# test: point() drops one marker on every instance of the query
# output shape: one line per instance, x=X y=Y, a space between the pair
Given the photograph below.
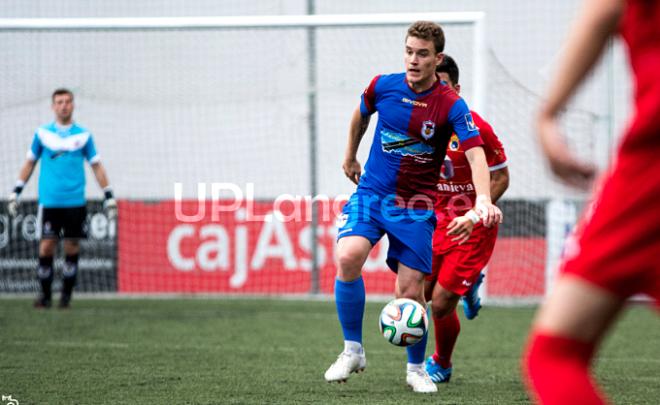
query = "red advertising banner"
x=196 y=247
x=252 y=247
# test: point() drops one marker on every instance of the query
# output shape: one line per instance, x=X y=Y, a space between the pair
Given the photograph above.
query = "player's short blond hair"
x=429 y=31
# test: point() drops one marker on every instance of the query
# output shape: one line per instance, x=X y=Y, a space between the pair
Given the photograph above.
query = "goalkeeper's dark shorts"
x=68 y=223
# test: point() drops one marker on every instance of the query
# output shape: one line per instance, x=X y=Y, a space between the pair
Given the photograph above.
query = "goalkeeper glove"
x=109 y=204
x=12 y=204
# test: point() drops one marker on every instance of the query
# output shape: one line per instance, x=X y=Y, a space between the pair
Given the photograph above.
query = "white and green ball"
x=403 y=322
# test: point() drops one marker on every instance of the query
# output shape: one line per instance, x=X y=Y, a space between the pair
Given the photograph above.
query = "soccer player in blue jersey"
x=417 y=114
x=62 y=146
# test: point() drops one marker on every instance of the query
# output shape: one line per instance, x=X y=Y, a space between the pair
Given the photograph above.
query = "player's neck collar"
x=435 y=84
x=61 y=127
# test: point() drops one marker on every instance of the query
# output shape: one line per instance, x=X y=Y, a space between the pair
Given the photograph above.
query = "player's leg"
x=352 y=252
x=410 y=284
x=447 y=328
x=410 y=233
x=357 y=233
x=460 y=267
x=47 y=247
x=73 y=230
x=566 y=332
x=50 y=227
x=70 y=271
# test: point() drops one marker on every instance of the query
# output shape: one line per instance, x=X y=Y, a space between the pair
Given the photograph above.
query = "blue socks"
x=349 y=298
x=417 y=352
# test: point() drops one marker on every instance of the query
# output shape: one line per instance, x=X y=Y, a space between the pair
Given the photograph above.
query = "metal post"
x=312 y=122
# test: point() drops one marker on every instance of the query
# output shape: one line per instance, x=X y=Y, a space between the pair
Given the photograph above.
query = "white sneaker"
x=419 y=381
x=346 y=364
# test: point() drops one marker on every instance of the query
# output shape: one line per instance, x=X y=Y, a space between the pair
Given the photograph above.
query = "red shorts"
x=456 y=267
x=617 y=244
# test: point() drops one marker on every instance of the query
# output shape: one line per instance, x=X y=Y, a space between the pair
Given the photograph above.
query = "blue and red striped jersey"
x=411 y=137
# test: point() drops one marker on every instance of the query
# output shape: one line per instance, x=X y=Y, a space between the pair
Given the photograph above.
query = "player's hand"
x=110 y=208
x=562 y=162
x=462 y=228
x=487 y=211
x=12 y=204
x=352 y=170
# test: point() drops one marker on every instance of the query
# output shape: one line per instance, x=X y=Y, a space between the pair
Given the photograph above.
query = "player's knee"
x=411 y=291
x=71 y=246
x=47 y=247
x=440 y=309
x=349 y=264
x=444 y=303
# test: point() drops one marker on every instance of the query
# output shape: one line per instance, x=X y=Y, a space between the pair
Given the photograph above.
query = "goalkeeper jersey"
x=411 y=138
x=62 y=151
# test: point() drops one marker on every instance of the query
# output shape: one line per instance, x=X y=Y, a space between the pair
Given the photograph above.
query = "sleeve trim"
x=471 y=142
x=498 y=166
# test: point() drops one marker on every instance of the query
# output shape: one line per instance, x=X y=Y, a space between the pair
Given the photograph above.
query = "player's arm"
x=461 y=227
x=33 y=154
x=24 y=175
x=499 y=182
x=597 y=22
x=356 y=130
x=100 y=174
x=358 y=126
x=484 y=206
x=109 y=202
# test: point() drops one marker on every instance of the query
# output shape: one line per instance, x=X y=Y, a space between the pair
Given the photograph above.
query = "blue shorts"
x=409 y=231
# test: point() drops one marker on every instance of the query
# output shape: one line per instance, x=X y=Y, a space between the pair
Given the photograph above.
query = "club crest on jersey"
x=469 y=121
x=454 y=143
x=428 y=129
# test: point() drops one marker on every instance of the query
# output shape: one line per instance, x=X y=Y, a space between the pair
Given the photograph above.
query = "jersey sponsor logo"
x=454 y=143
x=469 y=121
x=456 y=188
x=428 y=129
x=414 y=102
x=400 y=144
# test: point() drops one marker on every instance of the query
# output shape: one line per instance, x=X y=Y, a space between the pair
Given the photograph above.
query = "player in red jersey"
x=459 y=258
x=615 y=252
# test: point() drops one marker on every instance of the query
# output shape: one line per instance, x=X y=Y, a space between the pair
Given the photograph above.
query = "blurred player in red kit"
x=459 y=258
x=614 y=255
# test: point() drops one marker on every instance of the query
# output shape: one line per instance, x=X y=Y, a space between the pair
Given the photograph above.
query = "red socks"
x=557 y=371
x=446 y=329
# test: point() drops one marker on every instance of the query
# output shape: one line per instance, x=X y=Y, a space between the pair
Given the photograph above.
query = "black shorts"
x=63 y=223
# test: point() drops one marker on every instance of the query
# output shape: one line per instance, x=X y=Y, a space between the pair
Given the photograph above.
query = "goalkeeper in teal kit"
x=62 y=146
x=417 y=114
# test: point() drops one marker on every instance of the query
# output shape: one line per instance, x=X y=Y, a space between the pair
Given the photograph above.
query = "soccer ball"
x=403 y=322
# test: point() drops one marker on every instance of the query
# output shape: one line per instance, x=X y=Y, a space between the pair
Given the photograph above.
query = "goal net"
x=216 y=133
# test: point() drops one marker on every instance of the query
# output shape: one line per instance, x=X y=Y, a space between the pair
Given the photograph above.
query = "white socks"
x=353 y=347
